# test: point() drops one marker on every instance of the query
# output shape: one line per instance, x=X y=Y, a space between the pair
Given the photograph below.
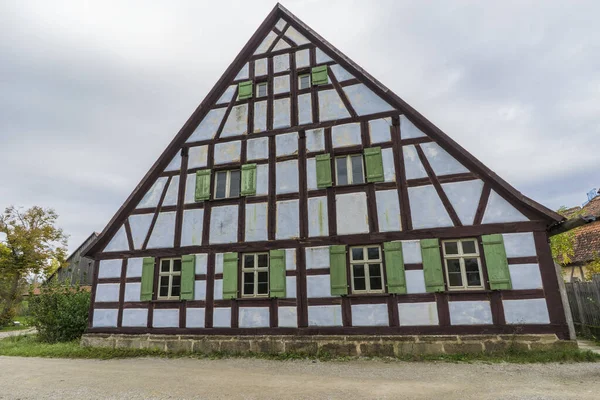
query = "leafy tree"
x=32 y=245
x=592 y=268
x=563 y=245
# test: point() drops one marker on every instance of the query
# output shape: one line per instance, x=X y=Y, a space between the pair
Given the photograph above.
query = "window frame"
x=255 y=270
x=349 y=169
x=227 y=184
x=170 y=274
x=300 y=81
x=258 y=86
x=365 y=262
x=461 y=256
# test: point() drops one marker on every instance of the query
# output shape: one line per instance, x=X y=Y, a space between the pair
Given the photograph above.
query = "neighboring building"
x=78 y=269
x=304 y=197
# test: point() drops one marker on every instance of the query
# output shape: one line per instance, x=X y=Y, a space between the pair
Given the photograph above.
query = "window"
x=366 y=269
x=463 y=265
x=255 y=275
x=227 y=184
x=169 y=279
x=261 y=89
x=349 y=170
x=303 y=82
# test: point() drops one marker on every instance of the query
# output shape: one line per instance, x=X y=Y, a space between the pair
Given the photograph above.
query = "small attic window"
x=261 y=89
x=303 y=82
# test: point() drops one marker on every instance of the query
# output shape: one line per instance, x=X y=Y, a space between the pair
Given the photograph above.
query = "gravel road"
x=153 y=378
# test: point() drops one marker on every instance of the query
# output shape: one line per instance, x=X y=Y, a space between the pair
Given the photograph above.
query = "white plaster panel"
x=287 y=317
x=331 y=106
x=280 y=24
x=139 y=224
x=418 y=314
x=135 y=317
x=325 y=315
x=107 y=292
x=201 y=264
x=191 y=228
x=281 y=45
x=260 y=67
x=346 y=135
x=134 y=267
x=287 y=220
x=464 y=197
x=105 y=318
x=110 y=269
x=266 y=43
x=262 y=179
x=227 y=95
x=411 y=250
x=296 y=36
x=281 y=84
x=256 y=222
x=219 y=263
x=415 y=281
x=408 y=130
x=244 y=72
x=223 y=224
x=311 y=174
x=388 y=210
x=426 y=208
x=119 y=241
x=470 y=312
x=260 y=116
x=237 y=121
x=287 y=177
x=175 y=163
x=340 y=73
x=318 y=223
x=290 y=287
x=172 y=191
x=218 y=292
x=222 y=317
x=519 y=244
x=412 y=164
x=441 y=162
x=254 y=317
x=499 y=210
x=525 y=276
x=389 y=169
x=315 y=139
x=318 y=286
x=258 y=149
x=302 y=58
x=322 y=57
x=152 y=196
x=379 y=129
x=281 y=113
x=165 y=318
x=200 y=290
x=531 y=311
x=286 y=144
x=354 y=205
x=364 y=101
x=194 y=317
x=290 y=259
x=317 y=257
x=228 y=152
x=370 y=315
x=305 y=109
x=163 y=233
x=281 y=63
x=197 y=157
x=133 y=291
x=209 y=125
x=190 y=189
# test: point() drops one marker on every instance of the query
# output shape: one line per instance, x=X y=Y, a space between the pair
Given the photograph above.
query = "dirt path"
x=16 y=333
x=36 y=378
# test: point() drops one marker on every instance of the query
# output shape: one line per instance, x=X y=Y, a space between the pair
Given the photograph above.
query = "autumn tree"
x=32 y=245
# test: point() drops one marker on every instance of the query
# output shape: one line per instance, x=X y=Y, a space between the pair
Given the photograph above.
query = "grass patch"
x=30 y=346
x=25 y=324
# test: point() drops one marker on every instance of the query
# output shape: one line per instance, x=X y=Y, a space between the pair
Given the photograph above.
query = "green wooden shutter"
x=248 y=180
x=432 y=265
x=337 y=270
x=188 y=277
x=323 y=171
x=374 y=164
x=202 y=185
x=147 y=279
x=245 y=90
x=496 y=262
x=277 y=273
x=394 y=267
x=230 y=275
x=319 y=75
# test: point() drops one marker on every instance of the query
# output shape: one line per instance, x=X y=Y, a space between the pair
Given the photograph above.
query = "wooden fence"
x=584 y=300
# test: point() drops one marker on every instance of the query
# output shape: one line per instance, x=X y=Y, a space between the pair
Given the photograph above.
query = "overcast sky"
x=91 y=92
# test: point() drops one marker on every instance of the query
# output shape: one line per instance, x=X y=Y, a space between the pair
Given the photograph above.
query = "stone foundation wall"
x=362 y=346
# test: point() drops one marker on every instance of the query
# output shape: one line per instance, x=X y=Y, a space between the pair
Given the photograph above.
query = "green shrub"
x=60 y=313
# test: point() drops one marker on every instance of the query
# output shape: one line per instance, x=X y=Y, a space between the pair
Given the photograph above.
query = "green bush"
x=60 y=313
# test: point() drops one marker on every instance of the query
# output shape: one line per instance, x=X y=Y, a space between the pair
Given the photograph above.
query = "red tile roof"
x=587 y=238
